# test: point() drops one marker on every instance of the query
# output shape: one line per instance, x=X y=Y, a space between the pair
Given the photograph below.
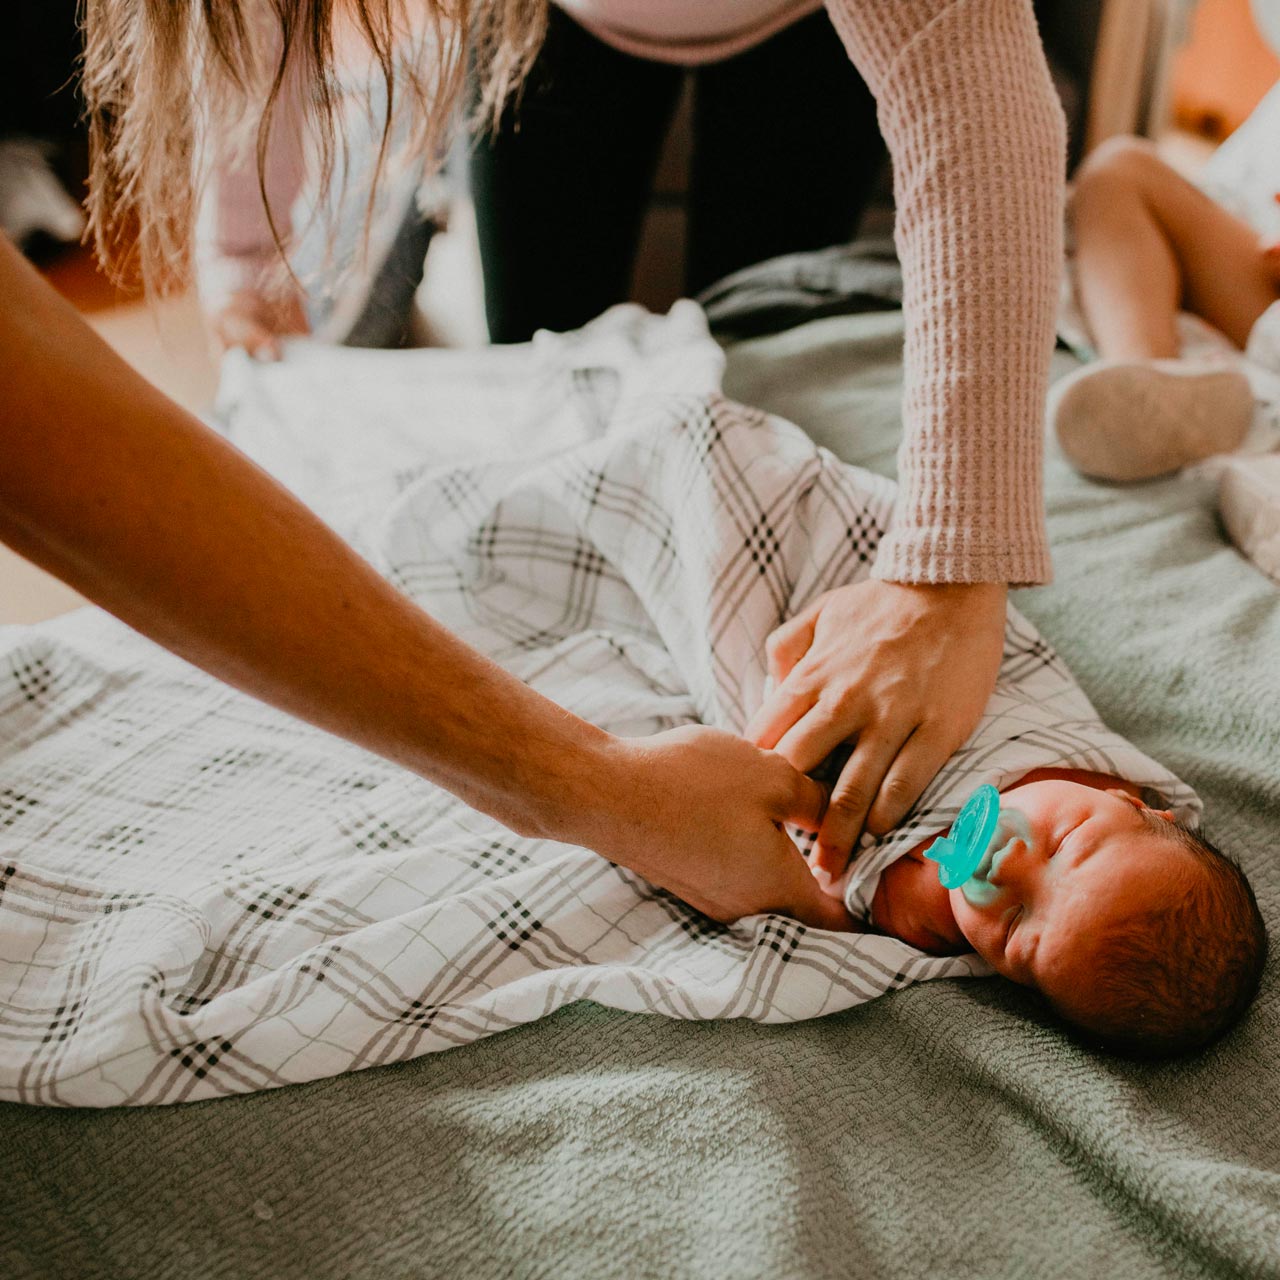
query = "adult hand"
x=258 y=322
x=904 y=672
x=699 y=812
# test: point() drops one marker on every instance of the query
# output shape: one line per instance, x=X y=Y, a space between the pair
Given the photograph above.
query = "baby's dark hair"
x=1174 y=979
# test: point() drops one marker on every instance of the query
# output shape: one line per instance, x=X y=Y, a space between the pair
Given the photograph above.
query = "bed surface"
x=938 y=1130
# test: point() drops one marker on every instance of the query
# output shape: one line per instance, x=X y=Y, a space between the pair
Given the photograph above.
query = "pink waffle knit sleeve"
x=977 y=139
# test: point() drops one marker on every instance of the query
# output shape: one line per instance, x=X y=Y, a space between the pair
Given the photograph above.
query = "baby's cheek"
x=984 y=935
x=978 y=893
x=971 y=922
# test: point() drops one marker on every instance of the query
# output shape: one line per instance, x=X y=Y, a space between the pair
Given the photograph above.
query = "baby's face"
x=1066 y=860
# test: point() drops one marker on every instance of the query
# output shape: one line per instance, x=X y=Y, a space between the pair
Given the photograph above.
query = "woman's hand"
x=257 y=322
x=904 y=672
x=698 y=813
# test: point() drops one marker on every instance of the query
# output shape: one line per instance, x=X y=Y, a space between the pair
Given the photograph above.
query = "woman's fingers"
x=855 y=794
x=916 y=765
x=784 y=648
x=787 y=704
x=813 y=737
x=789 y=643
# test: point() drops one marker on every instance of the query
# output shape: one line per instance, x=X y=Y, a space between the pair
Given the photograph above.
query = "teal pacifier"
x=959 y=854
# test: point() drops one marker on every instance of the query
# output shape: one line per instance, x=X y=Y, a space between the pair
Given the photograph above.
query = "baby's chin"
x=977 y=931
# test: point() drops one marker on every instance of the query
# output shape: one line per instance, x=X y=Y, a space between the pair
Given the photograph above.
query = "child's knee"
x=1122 y=162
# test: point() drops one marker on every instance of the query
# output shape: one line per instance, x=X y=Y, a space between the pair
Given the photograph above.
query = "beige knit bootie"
x=1139 y=419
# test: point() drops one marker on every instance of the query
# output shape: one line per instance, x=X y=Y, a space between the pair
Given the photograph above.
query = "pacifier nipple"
x=959 y=854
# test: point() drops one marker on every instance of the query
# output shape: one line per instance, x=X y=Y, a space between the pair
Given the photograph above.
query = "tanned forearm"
x=113 y=488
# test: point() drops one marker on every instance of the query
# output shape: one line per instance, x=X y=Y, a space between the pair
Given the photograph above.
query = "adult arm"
x=905 y=663
x=109 y=485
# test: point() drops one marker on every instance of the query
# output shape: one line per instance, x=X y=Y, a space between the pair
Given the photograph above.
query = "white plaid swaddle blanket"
x=200 y=896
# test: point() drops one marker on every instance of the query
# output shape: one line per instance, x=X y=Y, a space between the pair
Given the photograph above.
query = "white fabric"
x=200 y=896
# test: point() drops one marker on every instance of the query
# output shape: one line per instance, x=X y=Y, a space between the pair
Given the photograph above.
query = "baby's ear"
x=1120 y=794
x=1128 y=797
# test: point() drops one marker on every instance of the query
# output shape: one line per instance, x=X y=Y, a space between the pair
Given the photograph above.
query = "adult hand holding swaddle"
x=905 y=669
x=724 y=864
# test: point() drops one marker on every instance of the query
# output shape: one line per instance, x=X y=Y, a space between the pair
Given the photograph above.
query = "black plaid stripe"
x=267 y=912
x=461 y=491
x=32 y=676
x=187 y=1068
x=370 y=833
x=201 y=1057
x=781 y=936
x=122 y=838
x=499 y=858
x=762 y=544
x=514 y=925
x=275 y=904
x=864 y=535
x=15 y=805
x=65 y=1019
x=234 y=760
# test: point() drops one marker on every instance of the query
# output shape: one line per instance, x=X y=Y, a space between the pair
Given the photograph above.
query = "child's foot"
x=1138 y=419
x=1249 y=498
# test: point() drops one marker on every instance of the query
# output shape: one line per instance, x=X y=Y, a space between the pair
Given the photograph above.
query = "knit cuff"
x=939 y=555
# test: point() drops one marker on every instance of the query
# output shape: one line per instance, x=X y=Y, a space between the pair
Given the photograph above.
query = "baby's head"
x=1135 y=929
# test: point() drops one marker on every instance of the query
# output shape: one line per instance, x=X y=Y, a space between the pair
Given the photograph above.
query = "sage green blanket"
x=942 y=1130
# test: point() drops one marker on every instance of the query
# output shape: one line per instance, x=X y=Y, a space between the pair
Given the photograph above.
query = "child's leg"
x=1147 y=243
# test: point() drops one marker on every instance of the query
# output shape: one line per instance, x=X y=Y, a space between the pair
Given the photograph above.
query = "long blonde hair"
x=172 y=86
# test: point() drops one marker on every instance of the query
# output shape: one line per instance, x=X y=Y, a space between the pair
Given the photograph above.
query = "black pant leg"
x=561 y=186
x=786 y=152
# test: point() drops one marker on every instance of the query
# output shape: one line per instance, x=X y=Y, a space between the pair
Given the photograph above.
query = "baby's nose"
x=1012 y=863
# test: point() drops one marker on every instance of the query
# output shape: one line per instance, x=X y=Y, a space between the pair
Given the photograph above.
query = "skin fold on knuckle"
x=846 y=809
x=896 y=796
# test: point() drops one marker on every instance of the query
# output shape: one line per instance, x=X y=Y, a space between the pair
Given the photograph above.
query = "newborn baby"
x=1133 y=927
